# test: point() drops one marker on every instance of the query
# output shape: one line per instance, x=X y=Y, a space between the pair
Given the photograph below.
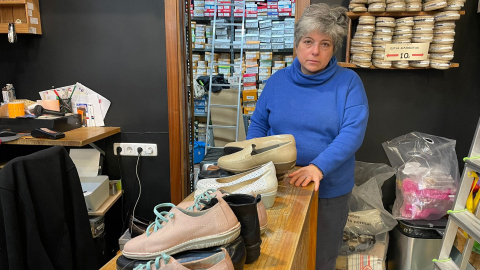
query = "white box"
x=95 y=191
x=124 y=238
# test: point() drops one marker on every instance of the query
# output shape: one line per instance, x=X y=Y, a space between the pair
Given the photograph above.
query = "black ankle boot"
x=245 y=208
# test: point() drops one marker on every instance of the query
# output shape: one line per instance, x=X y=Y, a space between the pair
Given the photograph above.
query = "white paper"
x=97 y=111
x=87 y=161
x=33 y=20
x=29 y=5
x=82 y=95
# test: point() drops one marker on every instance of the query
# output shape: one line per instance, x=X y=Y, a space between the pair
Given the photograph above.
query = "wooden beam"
x=175 y=49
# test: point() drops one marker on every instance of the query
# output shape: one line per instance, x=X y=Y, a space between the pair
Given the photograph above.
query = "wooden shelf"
x=25 y=15
x=106 y=205
x=355 y=15
x=352 y=65
x=13 y=2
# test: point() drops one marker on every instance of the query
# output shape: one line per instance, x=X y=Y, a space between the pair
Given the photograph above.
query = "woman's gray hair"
x=329 y=20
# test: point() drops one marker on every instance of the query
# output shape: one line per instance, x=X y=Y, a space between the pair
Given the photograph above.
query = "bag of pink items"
x=427 y=175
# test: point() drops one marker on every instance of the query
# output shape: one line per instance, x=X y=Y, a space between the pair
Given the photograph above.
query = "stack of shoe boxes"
x=253 y=8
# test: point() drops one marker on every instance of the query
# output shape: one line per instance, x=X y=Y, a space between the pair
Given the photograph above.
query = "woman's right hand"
x=305 y=175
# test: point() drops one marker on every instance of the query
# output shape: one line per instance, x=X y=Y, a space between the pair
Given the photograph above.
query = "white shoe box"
x=95 y=191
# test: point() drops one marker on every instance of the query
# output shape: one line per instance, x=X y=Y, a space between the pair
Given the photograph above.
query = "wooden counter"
x=290 y=239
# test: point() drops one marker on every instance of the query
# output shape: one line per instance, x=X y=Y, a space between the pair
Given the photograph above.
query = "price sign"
x=406 y=51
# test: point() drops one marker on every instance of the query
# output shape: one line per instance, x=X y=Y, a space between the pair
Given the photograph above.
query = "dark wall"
x=116 y=48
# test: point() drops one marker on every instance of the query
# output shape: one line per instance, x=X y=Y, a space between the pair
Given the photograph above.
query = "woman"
x=325 y=107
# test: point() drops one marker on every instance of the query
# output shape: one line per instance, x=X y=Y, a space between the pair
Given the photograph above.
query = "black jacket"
x=43 y=220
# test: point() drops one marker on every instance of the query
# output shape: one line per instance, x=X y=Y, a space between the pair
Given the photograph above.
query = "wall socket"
x=130 y=149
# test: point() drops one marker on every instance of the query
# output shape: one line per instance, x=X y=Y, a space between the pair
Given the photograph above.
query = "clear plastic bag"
x=427 y=175
x=367 y=215
x=367 y=218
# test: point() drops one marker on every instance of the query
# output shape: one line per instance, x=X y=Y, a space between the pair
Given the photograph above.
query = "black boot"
x=245 y=208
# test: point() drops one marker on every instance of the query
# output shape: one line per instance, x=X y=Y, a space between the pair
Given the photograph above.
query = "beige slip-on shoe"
x=261 y=142
x=261 y=180
x=283 y=155
x=199 y=202
x=218 y=261
x=180 y=230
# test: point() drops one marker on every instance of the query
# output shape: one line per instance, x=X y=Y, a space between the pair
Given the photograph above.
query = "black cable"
x=124 y=219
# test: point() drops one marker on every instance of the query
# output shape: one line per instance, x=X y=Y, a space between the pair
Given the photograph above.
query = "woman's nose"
x=316 y=50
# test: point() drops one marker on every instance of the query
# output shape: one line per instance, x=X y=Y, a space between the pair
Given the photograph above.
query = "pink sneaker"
x=198 y=203
x=179 y=230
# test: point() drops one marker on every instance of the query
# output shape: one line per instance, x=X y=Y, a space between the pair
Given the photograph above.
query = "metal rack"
x=459 y=217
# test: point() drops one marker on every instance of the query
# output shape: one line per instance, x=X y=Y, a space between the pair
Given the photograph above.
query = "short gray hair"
x=329 y=20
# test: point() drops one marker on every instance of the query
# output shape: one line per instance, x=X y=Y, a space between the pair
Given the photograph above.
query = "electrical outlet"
x=130 y=149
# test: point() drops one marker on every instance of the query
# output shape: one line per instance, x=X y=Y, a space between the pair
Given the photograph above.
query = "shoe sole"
x=268 y=199
x=281 y=168
x=198 y=243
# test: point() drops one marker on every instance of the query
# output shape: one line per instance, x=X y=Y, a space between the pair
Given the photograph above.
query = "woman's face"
x=314 y=51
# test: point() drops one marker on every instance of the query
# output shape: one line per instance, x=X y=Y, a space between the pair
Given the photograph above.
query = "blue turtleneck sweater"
x=327 y=114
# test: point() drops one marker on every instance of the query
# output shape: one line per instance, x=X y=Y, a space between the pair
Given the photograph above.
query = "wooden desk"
x=102 y=210
x=76 y=137
x=290 y=240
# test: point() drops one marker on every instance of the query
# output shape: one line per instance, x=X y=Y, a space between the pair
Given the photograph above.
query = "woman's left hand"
x=305 y=175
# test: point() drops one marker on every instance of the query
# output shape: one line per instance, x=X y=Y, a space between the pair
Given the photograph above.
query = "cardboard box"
x=249 y=95
x=248 y=110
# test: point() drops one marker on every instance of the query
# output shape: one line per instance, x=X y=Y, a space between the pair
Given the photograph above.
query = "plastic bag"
x=427 y=175
x=367 y=218
x=367 y=215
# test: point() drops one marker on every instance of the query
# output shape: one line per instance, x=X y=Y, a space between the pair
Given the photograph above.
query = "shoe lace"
x=148 y=265
x=161 y=217
x=206 y=196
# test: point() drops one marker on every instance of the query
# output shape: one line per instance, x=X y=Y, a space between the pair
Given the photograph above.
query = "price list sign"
x=406 y=51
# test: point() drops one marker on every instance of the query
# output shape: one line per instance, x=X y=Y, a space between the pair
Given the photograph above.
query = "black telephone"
x=47 y=133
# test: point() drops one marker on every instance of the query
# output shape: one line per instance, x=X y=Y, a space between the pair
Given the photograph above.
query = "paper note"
x=86 y=160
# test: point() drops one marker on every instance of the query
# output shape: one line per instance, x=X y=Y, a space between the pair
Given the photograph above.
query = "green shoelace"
x=208 y=195
x=148 y=265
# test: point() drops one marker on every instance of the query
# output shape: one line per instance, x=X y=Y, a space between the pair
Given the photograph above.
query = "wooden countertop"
x=290 y=239
x=76 y=137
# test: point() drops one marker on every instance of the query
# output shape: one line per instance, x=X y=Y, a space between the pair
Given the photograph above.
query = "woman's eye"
x=307 y=41
x=325 y=44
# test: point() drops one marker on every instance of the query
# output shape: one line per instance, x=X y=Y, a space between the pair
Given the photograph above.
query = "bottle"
x=12 y=34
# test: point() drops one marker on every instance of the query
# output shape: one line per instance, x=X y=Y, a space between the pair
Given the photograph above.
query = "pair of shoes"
x=262 y=180
x=180 y=230
x=218 y=261
x=282 y=153
x=203 y=199
x=235 y=249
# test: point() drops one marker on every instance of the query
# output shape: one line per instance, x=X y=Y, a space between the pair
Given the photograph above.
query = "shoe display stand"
x=290 y=239
x=459 y=217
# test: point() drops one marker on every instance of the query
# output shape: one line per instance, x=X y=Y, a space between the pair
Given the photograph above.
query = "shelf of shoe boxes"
x=380 y=22
x=268 y=47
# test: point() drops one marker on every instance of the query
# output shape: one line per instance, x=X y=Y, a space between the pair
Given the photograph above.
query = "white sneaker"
x=261 y=180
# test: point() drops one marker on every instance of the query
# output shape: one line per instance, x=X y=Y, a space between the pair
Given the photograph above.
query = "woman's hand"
x=305 y=175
